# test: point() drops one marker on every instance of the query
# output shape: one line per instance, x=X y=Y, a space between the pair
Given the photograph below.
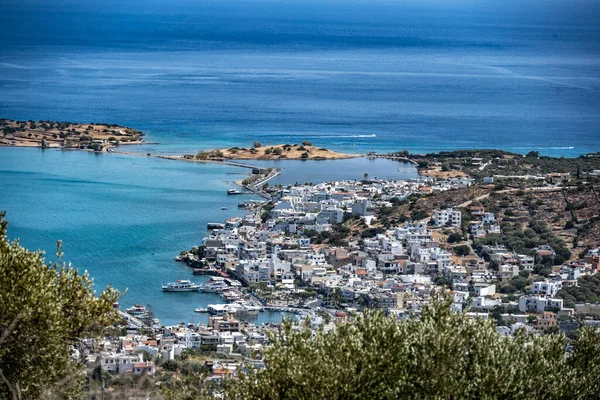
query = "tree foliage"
x=441 y=355
x=586 y=291
x=44 y=310
x=525 y=241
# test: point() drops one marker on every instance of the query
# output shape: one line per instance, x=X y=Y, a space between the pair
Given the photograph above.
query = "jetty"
x=393 y=158
x=256 y=187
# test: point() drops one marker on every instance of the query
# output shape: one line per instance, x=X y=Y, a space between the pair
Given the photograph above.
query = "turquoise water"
x=316 y=171
x=122 y=218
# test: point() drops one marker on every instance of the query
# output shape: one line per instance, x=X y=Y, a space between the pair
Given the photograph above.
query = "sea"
x=352 y=76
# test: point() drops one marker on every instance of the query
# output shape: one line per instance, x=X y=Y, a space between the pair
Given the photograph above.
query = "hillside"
x=63 y=134
x=304 y=151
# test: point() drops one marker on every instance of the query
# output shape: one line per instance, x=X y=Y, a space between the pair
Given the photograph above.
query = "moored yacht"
x=137 y=310
x=215 y=284
x=231 y=295
x=232 y=308
x=182 y=285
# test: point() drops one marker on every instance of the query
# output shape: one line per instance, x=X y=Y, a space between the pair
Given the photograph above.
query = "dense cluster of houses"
x=396 y=270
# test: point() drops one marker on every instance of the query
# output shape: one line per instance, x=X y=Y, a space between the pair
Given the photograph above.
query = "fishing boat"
x=182 y=285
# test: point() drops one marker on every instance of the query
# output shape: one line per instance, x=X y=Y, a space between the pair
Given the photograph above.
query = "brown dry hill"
x=573 y=214
x=276 y=152
x=63 y=134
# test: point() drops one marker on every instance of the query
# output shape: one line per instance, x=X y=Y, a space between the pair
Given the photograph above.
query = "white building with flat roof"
x=447 y=216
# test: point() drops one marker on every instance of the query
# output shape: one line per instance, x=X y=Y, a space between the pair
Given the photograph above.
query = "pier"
x=393 y=158
x=256 y=187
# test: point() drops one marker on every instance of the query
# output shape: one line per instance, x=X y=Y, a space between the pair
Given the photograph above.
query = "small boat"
x=234 y=191
x=223 y=208
x=231 y=295
x=182 y=285
x=201 y=310
x=214 y=225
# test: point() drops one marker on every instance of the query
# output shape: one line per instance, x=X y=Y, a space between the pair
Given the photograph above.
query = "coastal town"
x=522 y=253
x=299 y=200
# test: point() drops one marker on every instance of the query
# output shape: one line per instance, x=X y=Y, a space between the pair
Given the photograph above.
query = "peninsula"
x=304 y=151
x=95 y=136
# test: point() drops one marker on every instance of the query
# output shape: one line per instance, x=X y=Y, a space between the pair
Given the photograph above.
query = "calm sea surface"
x=419 y=75
x=351 y=76
x=122 y=218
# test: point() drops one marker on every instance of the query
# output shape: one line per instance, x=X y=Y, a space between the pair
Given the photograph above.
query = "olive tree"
x=440 y=355
x=45 y=308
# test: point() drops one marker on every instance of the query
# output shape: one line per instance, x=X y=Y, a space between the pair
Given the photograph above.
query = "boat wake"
x=350 y=136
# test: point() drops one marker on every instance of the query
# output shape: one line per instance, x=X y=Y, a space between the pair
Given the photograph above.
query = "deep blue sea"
x=354 y=76
x=421 y=75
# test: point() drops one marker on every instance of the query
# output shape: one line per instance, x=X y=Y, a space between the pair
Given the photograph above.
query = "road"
x=535 y=189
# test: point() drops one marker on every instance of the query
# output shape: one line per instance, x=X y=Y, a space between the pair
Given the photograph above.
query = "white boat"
x=234 y=191
x=137 y=310
x=233 y=308
x=215 y=284
x=223 y=208
x=231 y=295
x=201 y=310
x=182 y=285
x=249 y=307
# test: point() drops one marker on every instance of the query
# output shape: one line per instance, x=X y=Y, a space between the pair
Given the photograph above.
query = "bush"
x=256 y=145
x=442 y=355
x=455 y=238
x=45 y=308
x=462 y=250
x=418 y=215
x=569 y=225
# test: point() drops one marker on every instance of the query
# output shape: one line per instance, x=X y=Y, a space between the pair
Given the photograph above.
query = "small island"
x=304 y=151
x=93 y=136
